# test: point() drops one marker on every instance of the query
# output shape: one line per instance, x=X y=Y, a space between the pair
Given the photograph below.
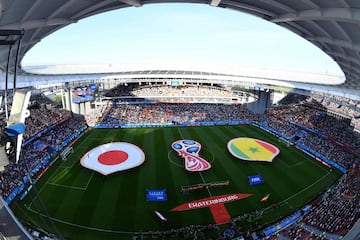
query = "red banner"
x=207 y=202
x=215 y=204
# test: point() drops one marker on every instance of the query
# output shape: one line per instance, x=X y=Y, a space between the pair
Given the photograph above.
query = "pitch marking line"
x=73 y=187
x=74 y=161
x=81 y=226
x=56 y=172
x=172 y=161
x=319 y=165
x=67 y=186
x=314 y=183
x=180 y=133
x=171 y=152
x=293 y=165
x=203 y=180
x=299 y=163
x=63 y=165
x=285 y=200
x=92 y=175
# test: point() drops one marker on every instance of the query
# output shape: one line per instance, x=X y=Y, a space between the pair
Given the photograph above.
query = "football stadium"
x=171 y=153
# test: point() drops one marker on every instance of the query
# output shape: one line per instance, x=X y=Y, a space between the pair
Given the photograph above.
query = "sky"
x=191 y=34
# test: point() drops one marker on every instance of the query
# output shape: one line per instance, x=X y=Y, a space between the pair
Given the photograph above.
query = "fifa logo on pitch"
x=189 y=150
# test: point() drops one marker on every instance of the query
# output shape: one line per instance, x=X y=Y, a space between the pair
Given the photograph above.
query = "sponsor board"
x=156 y=195
x=255 y=179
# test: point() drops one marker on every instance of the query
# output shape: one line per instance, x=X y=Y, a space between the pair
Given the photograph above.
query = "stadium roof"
x=333 y=26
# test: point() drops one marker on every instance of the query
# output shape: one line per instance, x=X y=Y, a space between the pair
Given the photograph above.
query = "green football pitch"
x=84 y=204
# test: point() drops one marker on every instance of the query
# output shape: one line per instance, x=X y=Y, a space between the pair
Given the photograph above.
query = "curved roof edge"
x=243 y=78
x=330 y=25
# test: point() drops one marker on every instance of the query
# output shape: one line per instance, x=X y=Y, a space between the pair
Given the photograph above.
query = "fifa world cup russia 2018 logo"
x=189 y=150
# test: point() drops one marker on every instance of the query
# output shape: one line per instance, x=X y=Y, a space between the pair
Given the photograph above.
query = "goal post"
x=67 y=151
x=288 y=143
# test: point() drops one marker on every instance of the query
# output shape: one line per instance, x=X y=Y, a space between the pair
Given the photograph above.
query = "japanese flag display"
x=113 y=157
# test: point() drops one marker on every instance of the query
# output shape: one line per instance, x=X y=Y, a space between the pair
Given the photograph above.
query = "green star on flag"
x=254 y=149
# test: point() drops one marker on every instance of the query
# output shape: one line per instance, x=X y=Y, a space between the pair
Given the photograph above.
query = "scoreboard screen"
x=84 y=94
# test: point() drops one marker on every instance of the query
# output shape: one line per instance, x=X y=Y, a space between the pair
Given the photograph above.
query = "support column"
x=264 y=101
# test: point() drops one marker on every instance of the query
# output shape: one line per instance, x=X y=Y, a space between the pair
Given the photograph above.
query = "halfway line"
x=203 y=180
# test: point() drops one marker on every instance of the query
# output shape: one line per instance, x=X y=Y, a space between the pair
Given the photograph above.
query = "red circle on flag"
x=113 y=157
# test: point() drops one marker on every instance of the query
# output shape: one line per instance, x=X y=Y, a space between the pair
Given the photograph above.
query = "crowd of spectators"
x=338 y=105
x=172 y=91
x=121 y=90
x=132 y=89
x=330 y=150
x=293 y=98
x=41 y=118
x=40 y=100
x=92 y=117
x=338 y=130
x=201 y=232
x=279 y=124
x=43 y=113
x=341 y=105
x=334 y=206
x=335 y=213
x=181 y=93
x=31 y=155
x=338 y=141
x=64 y=125
x=146 y=113
x=297 y=232
x=339 y=211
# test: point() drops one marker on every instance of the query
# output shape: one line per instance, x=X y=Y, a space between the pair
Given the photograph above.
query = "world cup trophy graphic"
x=189 y=150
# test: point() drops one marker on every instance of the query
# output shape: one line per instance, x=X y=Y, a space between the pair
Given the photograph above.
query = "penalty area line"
x=74 y=187
x=314 y=183
x=48 y=181
x=296 y=164
x=319 y=165
x=92 y=175
x=67 y=186
x=203 y=180
x=291 y=166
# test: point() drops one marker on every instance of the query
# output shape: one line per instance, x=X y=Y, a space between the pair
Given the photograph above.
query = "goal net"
x=67 y=151
x=288 y=143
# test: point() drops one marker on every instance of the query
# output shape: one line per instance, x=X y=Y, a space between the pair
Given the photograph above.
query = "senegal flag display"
x=251 y=149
